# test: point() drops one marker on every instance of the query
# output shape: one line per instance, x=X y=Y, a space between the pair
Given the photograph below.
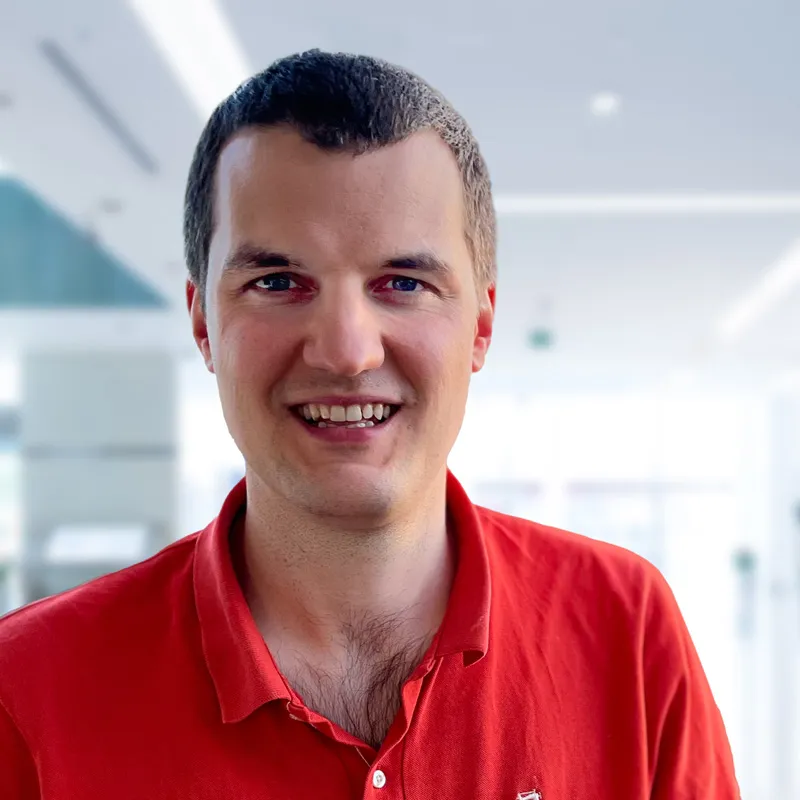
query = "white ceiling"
x=710 y=105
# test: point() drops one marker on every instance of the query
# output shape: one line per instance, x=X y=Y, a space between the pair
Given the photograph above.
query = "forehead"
x=271 y=182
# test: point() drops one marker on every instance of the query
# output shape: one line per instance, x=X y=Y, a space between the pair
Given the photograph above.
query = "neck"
x=313 y=584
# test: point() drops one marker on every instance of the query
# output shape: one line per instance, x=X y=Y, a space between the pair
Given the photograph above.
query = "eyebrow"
x=423 y=261
x=250 y=257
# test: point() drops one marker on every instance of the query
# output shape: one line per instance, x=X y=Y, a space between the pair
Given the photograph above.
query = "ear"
x=197 y=314
x=483 y=327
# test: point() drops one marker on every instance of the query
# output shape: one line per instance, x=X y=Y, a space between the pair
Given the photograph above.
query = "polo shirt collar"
x=244 y=673
x=465 y=628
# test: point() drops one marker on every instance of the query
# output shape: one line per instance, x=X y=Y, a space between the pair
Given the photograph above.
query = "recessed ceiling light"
x=605 y=104
x=110 y=205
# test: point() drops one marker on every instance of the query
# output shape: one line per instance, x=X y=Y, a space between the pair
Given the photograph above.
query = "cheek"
x=251 y=352
x=437 y=356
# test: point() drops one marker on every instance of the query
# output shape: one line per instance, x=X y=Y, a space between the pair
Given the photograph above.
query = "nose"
x=345 y=337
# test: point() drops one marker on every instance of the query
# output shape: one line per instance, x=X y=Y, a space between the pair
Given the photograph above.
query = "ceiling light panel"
x=636 y=204
x=197 y=41
x=777 y=282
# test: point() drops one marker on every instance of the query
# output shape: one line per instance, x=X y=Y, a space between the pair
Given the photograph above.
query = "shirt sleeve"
x=18 y=776
x=690 y=757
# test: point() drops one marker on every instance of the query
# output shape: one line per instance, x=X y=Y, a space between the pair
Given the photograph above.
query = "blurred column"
x=784 y=583
x=745 y=564
x=98 y=442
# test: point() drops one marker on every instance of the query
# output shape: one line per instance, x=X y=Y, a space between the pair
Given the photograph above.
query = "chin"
x=344 y=490
x=350 y=492
x=368 y=502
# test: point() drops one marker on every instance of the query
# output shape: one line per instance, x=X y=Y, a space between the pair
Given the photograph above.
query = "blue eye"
x=279 y=282
x=405 y=284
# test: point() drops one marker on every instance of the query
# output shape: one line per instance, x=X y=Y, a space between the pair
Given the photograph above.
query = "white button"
x=378 y=779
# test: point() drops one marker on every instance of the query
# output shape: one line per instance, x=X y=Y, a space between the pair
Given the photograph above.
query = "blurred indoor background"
x=644 y=382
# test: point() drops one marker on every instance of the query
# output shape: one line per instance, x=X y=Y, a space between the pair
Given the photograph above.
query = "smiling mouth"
x=366 y=415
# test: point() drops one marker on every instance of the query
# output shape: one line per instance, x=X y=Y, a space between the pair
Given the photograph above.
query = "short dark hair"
x=339 y=101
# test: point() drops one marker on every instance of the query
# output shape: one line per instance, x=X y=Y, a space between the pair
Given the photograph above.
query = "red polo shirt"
x=562 y=670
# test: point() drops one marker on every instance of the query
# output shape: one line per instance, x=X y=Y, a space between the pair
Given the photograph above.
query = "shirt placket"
x=384 y=781
x=379 y=773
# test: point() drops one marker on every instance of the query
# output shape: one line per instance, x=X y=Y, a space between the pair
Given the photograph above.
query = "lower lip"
x=343 y=435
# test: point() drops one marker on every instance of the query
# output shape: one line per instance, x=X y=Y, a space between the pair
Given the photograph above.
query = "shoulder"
x=99 y=614
x=574 y=568
x=588 y=591
x=534 y=545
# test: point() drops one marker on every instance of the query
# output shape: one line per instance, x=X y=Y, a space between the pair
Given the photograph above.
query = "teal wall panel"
x=46 y=262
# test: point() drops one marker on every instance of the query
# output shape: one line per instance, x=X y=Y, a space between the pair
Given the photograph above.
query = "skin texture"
x=347 y=539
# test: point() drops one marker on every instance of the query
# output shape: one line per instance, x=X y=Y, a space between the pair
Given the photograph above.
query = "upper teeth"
x=354 y=413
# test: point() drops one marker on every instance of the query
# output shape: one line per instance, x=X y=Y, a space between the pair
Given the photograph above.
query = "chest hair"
x=363 y=694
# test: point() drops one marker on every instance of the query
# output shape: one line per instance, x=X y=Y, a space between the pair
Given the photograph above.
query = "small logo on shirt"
x=529 y=796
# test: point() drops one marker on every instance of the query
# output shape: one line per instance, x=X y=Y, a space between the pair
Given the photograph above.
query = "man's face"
x=337 y=285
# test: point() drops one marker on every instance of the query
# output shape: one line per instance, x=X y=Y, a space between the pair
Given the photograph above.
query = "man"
x=351 y=625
